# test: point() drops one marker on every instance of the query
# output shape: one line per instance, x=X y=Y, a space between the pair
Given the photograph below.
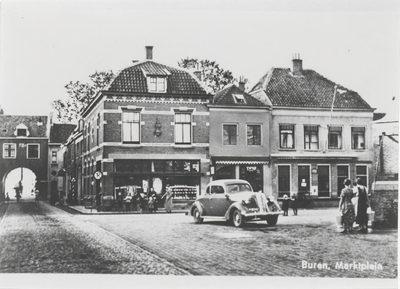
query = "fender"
x=236 y=205
x=197 y=205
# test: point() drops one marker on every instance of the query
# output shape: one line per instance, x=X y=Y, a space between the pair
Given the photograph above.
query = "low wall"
x=384 y=201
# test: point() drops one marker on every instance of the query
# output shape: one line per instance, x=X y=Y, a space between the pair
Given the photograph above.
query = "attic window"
x=239 y=98
x=21 y=131
x=157 y=84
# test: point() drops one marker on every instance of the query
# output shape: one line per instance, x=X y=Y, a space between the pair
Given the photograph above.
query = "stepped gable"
x=133 y=79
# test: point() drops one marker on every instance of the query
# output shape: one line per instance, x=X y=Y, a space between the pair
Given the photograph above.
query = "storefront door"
x=254 y=175
x=304 y=179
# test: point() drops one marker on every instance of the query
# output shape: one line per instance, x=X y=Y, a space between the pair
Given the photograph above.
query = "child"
x=285 y=205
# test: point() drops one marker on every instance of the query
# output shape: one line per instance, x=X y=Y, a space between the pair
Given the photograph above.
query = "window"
x=358 y=138
x=9 y=151
x=230 y=134
x=239 y=98
x=342 y=174
x=217 y=190
x=157 y=84
x=21 y=132
x=286 y=136
x=54 y=156
x=183 y=128
x=283 y=181
x=362 y=173
x=310 y=137
x=254 y=134
x=33 y=151
x=335 y=137
x=98 y=130
x=130 y=126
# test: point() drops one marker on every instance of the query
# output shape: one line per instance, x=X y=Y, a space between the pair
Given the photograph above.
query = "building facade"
x=240 y=137
x=148 y=129
x=24 y=145
x=320 y=133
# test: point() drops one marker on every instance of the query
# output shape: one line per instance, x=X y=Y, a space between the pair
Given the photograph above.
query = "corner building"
x=148 y=129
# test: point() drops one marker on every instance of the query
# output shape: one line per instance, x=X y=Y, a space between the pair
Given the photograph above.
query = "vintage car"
x=234 y=201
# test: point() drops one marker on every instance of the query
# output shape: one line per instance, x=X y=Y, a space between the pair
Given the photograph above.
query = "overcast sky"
x=46 y=44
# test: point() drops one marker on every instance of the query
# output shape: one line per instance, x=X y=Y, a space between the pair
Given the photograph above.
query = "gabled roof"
x=227 y=96
x=59 y=132
x=307 y=90
x=133 y=79
x=37 y=125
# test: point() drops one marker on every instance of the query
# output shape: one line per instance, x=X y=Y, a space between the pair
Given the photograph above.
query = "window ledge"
x=290 y=150
x=178 y=146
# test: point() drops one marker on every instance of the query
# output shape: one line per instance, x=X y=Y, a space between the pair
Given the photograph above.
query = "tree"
x=212 y=75
x=80 y=95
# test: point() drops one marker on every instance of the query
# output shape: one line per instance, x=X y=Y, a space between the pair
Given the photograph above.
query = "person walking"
x=362 y=206
x=168 y=199
x=295 y=205
x=7 y=197
x=346 y=206
x=285 y=205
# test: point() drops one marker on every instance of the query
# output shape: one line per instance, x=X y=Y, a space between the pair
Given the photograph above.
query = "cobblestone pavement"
x=215 y=248
x=39 y=238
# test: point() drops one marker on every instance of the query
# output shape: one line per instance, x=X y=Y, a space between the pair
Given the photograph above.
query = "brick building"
x=24 y=144
x=320 y=133
x=149 y=128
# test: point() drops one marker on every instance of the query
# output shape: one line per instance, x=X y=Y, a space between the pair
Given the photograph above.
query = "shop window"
x=130 y=126
x=224 y=172
x=342 y=174
x=286 y=133
x=358 y=138
x=283 y=181
x=9 y=151
x=311 y=137
x=253 y=174
x=362 y=173
x=183 y=128
x=335 y=137
x=32 y=151
x=304 y=179
x=229 y=134
x=254 y=134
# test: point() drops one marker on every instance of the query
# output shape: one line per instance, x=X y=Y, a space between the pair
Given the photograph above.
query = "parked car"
x=234 y=200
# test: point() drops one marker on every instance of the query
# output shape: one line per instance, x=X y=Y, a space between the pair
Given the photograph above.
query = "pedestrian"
x=7 y=197
x=346 y=206
x=168 y=199
x=143 y=201
x=152 y=201
x=362 y=206
x=285 y=205
x=36 y=195
x=295 y=204
x=128 y=201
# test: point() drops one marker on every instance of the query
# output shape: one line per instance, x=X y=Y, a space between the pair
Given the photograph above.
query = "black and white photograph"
x=199 y=144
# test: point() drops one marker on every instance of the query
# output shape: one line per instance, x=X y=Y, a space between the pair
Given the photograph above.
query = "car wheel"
x=272 y=220
x=237 y=218
x=196 y=216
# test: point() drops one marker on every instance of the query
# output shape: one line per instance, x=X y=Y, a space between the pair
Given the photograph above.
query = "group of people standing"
x=353 y=205
x=292 y=202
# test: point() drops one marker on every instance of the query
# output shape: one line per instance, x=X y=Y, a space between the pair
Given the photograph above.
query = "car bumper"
x=260 y=215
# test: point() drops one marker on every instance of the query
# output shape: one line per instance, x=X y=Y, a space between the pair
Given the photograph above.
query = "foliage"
x=80 y=95
x=212 y=75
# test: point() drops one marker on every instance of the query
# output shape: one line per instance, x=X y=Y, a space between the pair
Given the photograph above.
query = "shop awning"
x=242 y=161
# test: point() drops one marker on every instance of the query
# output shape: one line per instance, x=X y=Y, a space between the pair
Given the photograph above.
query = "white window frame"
x=239 y=98
x=307 y=133
x=292 y=134
x=367 y=175
x=27 y=150
x=334 y=133
x=54 y=154
x=352 y=140
x=157 y=84
x=15 y=151
x=131 y=125
x=180 y=126
x=24 y=127
x=223 y=137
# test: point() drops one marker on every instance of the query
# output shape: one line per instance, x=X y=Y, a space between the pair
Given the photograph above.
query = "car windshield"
x=236 y=188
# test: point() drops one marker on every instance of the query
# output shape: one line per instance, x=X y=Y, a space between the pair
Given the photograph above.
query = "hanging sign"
x=98 y=175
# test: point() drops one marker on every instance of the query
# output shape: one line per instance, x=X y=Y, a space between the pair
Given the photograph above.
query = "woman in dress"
x=362 y=204
x=346 y=206
x=168 y=199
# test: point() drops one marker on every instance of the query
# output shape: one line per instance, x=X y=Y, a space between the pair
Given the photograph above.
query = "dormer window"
x=157 y=84
x=21 y=131
x=239 y=98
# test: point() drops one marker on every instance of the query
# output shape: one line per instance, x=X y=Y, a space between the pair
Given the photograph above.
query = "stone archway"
x=22 y=179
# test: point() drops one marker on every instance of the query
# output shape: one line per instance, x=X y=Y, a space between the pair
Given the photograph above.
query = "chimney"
x=198 y=74
x=242 y=83
x=149 y=52
x=297 y=65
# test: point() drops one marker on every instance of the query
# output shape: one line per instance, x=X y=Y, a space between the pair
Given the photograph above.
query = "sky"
x=46 y=44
